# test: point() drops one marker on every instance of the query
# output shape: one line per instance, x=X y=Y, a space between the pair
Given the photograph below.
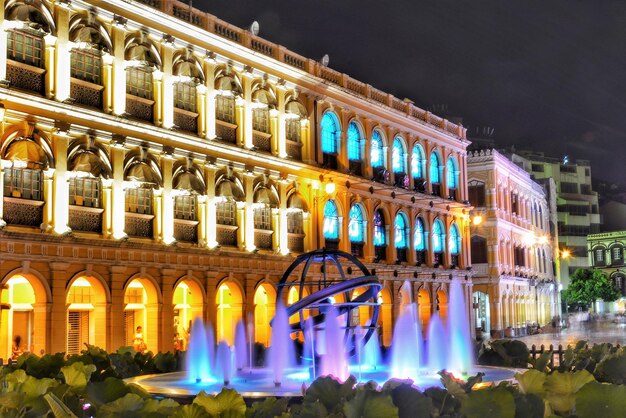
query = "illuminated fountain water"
x=330 y=337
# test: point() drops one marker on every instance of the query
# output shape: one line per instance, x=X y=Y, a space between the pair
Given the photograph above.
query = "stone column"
x=107 y=79
x=368 y=248
x=167 y=212
x=58 y=320
x=201 y=109
x=49 y=55
x=244 y=125
x=208 y=116
x=61 y=186
x=48 y=198
x=118 y=86
x=166 y=334
x=279 y=136
x=118 y=201
x=211 y=216
x=62 y=57
x=157 y=89
x=3 y=44
x=283 y=237
x=167 y=99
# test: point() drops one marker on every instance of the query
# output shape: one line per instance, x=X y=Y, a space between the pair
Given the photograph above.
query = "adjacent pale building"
x=160 y=164
x=512 y=248
x=577 y=205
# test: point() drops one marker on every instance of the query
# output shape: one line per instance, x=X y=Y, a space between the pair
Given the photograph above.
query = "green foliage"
x=612 y=368
x=491 y=402
x=596 y=398
x=226 y=404
x=77 y=374
x=561 y=389
x=508 y=353
x=81 y=387
x=268 y=408
x=588 y=285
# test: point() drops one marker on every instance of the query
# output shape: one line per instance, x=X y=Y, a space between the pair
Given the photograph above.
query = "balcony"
x=420 y=257
x=138 y=225
x=294 y=150
x=226 y=131
x=262 y=141
x=436 y=189
x=140 y=108
x=480 y=269
x=85 y=93
x=356 y=249
x=329 y=161
x=380 y=252
x=419 y=185
x=331 y=244
x=355 y=168
x=24 y=212
x=452 y=193
x=185 y=230
x=295 y=242
x=401 y=180
x=26 y=77
x=226 y=235
x=185 y=120
x=263 y=239
x=401 y=255
x=85 y=219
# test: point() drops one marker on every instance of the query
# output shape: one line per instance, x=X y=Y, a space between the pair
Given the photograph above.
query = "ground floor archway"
x=229 y=301
x=188 y=301
x=86 y=314
x=141 y=314
x=264 y=310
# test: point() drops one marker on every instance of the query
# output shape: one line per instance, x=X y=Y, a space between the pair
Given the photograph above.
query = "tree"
x=589 y=285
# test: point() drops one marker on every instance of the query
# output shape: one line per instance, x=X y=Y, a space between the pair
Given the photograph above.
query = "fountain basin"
x=259 y=383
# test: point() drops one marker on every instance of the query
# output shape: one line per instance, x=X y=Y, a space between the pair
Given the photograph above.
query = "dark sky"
x=549 y=75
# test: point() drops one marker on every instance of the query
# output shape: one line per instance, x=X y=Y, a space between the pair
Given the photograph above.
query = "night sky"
x=547 y=75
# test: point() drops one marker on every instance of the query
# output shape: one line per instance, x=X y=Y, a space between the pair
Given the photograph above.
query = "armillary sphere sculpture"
x=335 y=279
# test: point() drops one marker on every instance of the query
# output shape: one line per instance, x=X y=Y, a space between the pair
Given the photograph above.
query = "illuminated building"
x=606 y=253
x=157 y=168
x=511 y=246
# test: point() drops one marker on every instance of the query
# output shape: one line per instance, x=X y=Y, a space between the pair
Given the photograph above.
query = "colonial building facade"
x=511 y=246
x=160 y=164
x=606 y=253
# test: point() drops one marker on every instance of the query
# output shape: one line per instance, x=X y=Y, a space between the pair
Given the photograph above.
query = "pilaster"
x=61 y=186
x=63 y=70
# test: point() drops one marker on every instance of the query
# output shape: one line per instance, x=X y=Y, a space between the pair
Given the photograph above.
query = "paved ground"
x=593 y=331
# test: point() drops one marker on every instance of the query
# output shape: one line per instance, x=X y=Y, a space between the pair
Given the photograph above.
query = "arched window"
x=380 y=240
x=397 y=156
x=617 y=255
x=142 y=60
x=398 y=163
x=419 y=241
x=356 y=230
x=330 y=133
x=228 y=191
x=599 y=258
x=296 y=208
x=479 y=249
x=188 y=75
x=356 y=227
x=435 y=179
x=434 y=168
x=376 y=153
x=438 y=241
x=417 y=168
x=265 y=200
x=454 y=244
x=453 y=178
x=331 y=221
x=401 y=229
x=354 y=142
x=227 y=89
x=295 y=113
x=401 y=232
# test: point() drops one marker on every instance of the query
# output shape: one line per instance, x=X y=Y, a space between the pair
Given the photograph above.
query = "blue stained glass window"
x=377 y=156
x=455 y=240
x=434 y=168
x=331 y=221
x=438 y=236
x=401 y=231
x=397 y=156
x=419 y=239
x=330 y=133
x=417 y=162
x=354 y=142
x=379 y=229
x=356 y=225
x=452 y=174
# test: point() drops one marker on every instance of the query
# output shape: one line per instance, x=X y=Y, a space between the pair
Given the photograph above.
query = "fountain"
x=331 y=335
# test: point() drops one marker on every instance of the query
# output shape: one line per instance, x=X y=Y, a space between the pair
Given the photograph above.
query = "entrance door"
x=77 y=331
x=22 y=327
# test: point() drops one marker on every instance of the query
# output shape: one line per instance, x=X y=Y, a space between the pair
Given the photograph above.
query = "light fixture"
x=330 y=187
x=477 y=220
x=565 y=254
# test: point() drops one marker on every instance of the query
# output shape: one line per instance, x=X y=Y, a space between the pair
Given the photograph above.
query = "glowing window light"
x=356 y=224
x=331 y=221
x=376 y=154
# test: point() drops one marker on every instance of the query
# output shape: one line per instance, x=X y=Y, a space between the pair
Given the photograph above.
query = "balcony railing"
x=401 y=255
x=295 y=242
x=26 y=77
x=140 y=108
x=24 y=212
x=139 y=225
x=85 y=219
x=226 y=131
x=86 y=93
x=227 y=235
x=262 y=141
x=380 y=252
x=356 y=249
x=185 y=230
x=263 y=239
x=186 y=120
x=294 y=150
